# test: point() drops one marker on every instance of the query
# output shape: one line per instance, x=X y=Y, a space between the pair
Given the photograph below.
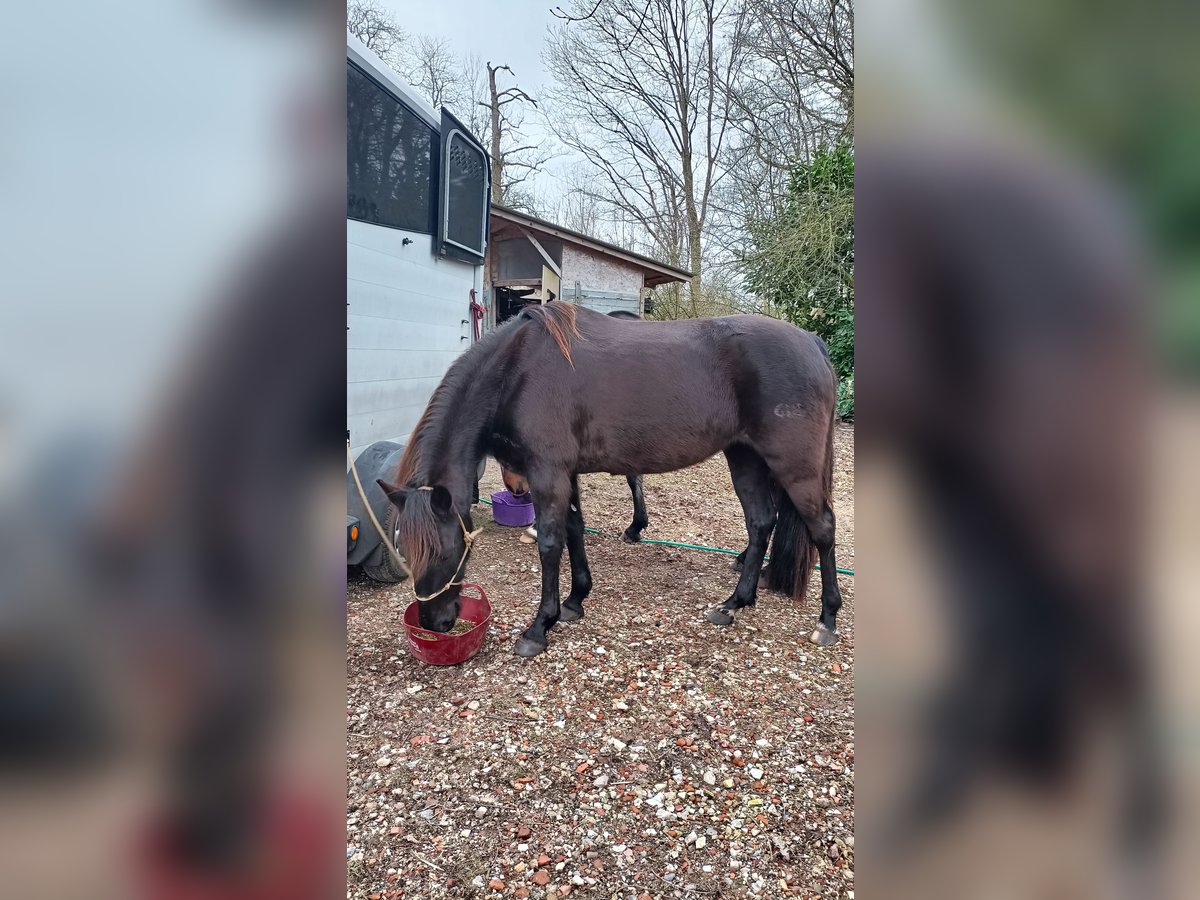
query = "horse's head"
x=515 y=482
x=434 y=539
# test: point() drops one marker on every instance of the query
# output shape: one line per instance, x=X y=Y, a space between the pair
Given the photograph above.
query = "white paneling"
x=377 y=333
x=393 y=394
x=382 y=425
x=400 y=304
x=404 y=313
x=389 y=365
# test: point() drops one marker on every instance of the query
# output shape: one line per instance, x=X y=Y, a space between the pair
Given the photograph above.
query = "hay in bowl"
x=461 y=626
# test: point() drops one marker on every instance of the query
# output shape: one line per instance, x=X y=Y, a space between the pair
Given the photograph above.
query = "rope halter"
x=468 y=539
x=390 y=542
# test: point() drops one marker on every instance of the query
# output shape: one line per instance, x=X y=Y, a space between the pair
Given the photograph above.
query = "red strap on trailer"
x=478 y=311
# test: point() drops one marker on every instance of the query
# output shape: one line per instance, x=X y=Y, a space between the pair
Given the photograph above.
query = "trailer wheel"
x=389 y=570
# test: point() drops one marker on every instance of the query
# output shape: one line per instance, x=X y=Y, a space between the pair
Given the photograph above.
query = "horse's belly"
x=652 y=457
x=651 y=425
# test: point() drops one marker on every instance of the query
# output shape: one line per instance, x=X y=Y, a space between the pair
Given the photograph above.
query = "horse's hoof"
x=631 y=537
x=720 y=616
x=823 y=637
x=738 y=564
x=570 y=613
x=525 y=647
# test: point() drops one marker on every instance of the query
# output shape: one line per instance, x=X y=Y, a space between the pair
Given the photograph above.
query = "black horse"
x=633 y=533
x=518 y=484
x=561 y=390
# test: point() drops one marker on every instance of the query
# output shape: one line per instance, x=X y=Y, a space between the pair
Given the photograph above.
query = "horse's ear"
x=440 y=499
x=396 y=494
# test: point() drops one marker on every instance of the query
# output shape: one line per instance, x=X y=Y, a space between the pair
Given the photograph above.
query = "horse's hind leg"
x=751 y=480
x=816 y=513
x=581 y=574
x=824 y=530
x=739 y=561
x=633 y=533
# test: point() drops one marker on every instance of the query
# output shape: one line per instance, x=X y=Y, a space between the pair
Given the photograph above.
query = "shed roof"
x=655 y=272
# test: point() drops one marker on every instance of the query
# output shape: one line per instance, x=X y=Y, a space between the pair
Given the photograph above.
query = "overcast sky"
x=509 y=32
x=503 y=31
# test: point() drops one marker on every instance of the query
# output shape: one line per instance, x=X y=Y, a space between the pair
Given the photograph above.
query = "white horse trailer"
x=416 y=233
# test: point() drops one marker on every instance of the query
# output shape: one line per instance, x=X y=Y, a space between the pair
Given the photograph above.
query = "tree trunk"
x=693 y=231
x=497 y=159
x=694 y=286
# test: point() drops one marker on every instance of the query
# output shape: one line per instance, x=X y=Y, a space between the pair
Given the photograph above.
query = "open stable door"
x=551 y=285
x=465 y=193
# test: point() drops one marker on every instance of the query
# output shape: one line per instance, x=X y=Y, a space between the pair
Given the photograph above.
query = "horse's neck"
x=456 y=440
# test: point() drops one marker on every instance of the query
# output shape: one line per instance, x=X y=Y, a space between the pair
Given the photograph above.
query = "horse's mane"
x=418 y=531
x=419 y=528
x=558 y=320
x=461 y=372
x=412 y=457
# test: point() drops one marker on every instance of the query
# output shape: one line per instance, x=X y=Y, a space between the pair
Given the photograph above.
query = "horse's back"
x=634 y=397
x=769 y=358
x=682 y=391
x=747 y=358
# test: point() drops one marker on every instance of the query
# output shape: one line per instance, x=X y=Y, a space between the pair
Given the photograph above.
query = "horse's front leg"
x=581 y=573
x=553 y=501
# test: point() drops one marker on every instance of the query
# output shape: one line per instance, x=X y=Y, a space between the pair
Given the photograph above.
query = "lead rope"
x=370 y=512
x=468 y=536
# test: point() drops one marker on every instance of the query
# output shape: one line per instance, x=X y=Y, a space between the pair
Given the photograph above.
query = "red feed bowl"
x=446 y=649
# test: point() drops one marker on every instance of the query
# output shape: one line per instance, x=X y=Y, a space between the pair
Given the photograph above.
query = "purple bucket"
x=516 y=512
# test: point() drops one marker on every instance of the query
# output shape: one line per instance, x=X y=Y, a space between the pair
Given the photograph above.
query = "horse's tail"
x=790 y=542
x=793 y=553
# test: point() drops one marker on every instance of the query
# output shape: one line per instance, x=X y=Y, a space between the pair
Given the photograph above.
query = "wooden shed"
x=530 y=260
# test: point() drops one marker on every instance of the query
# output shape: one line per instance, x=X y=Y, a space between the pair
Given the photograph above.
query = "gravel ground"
x=646 y=754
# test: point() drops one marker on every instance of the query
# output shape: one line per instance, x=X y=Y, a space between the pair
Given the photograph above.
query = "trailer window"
x=389 y=158
x=464 y=229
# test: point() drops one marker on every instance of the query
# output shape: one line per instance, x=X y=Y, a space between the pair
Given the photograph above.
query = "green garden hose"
x=677 y=543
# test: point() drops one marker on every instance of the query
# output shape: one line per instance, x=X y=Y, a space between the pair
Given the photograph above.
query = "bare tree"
x=376 y=27
x=559 y=13
x=574 y=210
x=793 y=96
x=512 y=162
x=643 y=99
x=571 y=205
x=425 y=62
x=474 y=105
x=807 y=47
x=468 y=87
x=433 y=70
